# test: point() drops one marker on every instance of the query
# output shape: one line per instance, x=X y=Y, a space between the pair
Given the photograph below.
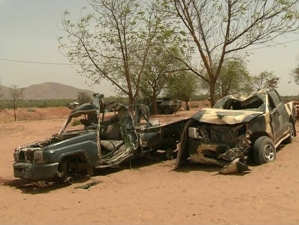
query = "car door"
x=279 y=117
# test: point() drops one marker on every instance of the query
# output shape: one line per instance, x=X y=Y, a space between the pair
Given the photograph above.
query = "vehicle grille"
x=24 y=155
x=226 y=134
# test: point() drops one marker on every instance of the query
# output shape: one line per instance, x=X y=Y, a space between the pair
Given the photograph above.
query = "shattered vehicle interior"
x=255 y=102
x=238 y=128
x=100 y=142
x=74 y=149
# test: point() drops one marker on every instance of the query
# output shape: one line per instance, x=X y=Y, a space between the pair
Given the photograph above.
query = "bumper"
x=35 y=171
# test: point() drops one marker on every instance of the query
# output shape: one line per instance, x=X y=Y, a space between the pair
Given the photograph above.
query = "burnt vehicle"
x=236 y=129
x=100 y=143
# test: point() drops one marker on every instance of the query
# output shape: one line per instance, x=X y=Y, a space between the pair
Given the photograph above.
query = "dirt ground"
x=149 y=192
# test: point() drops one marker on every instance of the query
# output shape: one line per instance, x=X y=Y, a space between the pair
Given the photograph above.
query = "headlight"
x=194 y=133
x=38 y=156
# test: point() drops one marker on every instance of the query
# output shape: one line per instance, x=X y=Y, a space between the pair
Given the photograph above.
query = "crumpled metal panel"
x=218 y=116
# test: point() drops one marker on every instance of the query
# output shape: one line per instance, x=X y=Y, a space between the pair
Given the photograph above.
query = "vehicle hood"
x=224 y=116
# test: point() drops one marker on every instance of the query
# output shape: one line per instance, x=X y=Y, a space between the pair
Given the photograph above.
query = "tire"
x=167 y=111
x=264 y=150
x=159 y=110
x=292 y=134
x=63 y=171
x=170 y=155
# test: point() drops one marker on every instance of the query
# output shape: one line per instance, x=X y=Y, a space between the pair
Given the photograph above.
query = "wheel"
x=159 y=110
x=170 y=155
x=292 y=134
x=264 y=150
x=63 y=172
x=167 y=111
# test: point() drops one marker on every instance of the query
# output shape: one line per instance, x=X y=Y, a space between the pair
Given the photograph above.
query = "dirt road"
x=148 y=192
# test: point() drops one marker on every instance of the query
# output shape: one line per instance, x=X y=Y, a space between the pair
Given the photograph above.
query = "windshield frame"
x=242 y=100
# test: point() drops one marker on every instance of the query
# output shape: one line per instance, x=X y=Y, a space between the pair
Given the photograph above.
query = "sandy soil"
x=149 y=192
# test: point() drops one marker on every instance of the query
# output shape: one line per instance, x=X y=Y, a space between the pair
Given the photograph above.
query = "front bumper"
x=35 y=171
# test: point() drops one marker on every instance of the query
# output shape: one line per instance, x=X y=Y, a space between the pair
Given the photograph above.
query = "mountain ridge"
x=47 y=90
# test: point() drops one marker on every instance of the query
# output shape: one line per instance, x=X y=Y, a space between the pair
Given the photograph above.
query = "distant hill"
x=48 y=90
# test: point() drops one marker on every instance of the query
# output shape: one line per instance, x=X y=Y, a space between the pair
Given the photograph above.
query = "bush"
x=76 y=122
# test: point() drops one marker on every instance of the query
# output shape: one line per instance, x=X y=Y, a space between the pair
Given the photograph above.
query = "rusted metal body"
x=228 y=132
x=100 y=143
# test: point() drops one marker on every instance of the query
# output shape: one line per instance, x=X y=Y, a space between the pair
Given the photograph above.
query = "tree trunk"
x=14 y=113
x=131 y=102
x=212 y=92
x=187 y=105
x=154 y=104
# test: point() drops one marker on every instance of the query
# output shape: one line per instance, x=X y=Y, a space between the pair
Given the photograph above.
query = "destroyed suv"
x=107 y=143
x=238 y=128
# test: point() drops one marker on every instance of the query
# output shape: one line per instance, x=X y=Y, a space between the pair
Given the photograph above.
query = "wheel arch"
x=256 y=135
x=80 y=152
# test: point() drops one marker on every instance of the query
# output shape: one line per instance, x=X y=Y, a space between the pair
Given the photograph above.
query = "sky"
x=30 y=31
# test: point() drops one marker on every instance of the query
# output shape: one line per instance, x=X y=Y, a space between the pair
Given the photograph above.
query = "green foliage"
x=54 y=102
x=220 y=28
x=233 y=78
x=84 y=97
x=201 y=97
x=182 y=85
x=115 y=42
x=37 y=103
x=1 y=96
x=158 y=68
x=295 y=75
x=76 y=122
x=30 y=110
x=16 y=95
x=265 y=80
x=1 y=93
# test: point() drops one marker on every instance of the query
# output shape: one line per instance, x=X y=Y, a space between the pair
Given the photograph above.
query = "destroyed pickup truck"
x=238 y=128
x=98 y=145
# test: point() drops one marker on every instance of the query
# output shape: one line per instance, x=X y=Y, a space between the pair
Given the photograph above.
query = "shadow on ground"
x=132 y=164
x=214 y=170
x=42 y=187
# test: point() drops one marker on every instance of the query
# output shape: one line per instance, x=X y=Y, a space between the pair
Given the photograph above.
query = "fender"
x=183 y=152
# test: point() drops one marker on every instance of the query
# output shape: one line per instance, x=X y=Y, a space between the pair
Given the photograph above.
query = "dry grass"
x=7 y=115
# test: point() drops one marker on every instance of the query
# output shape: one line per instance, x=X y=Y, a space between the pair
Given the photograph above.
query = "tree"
x=295 y=74
x=1 y=93
x=220 y=28
x=16 y=94
x=83 y=97
x=123 y=31
x=182 y=85
x=234 y=78
x=1 y=96
x=156 y=71
x=265 y=80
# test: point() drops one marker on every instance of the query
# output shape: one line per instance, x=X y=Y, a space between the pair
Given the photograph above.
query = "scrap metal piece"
x=234 y=166
x=88 y=185
x=237 y=151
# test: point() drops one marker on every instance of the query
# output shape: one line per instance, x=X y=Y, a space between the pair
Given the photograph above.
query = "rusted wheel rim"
x=269 y=152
